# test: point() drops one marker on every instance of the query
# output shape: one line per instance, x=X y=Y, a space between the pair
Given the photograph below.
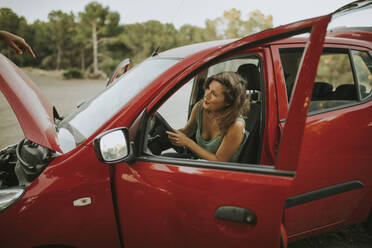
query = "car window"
x=175 y=109
x=231 y=65
x=335 y=85
x=174 y=112
x=249 y=67
x=290 y=58
x=363 y=71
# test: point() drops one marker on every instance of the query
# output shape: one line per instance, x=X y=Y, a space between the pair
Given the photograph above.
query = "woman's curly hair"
x=235 y=96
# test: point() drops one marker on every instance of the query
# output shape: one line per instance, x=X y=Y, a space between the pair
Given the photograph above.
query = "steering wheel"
x=158 y=140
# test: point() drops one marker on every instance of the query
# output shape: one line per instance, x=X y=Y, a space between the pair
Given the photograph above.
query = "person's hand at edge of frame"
x=18 y=44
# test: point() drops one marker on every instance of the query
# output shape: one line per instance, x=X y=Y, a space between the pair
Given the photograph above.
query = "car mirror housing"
x=113 y=146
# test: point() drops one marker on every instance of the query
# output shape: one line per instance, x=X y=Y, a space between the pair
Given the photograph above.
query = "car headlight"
x=9 y=196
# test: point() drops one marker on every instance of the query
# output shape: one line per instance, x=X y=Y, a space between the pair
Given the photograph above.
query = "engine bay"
x=21 y=164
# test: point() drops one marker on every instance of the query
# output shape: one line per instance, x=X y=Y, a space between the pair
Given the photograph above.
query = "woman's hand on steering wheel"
x=177 y=138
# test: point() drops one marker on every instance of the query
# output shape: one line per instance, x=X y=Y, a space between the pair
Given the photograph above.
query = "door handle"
x=236 y=214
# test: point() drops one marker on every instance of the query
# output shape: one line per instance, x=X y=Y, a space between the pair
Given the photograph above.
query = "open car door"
x=169 y=202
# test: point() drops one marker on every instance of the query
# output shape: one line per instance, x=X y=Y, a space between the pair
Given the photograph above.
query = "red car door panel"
x=174 y=206
x=334 y=160
x=333 y=153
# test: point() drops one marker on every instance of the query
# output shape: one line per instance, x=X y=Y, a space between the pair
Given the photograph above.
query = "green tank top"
x=212 y=145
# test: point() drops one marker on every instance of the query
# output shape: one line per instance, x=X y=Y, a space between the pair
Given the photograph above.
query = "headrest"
x=321 y=90
x=345 y=92
x=250 y=73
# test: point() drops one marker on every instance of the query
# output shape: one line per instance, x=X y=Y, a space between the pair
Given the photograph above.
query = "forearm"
x=179 y=138
x=186 y=131
x=2 y=34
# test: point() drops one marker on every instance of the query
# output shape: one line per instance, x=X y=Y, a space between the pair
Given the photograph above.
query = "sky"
x=180 y=12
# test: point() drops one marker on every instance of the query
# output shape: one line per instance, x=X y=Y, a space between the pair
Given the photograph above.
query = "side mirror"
x=113 y=146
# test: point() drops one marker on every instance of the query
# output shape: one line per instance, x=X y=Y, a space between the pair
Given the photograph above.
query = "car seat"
x=345 y=92
x=321 y=91
x=250 y=152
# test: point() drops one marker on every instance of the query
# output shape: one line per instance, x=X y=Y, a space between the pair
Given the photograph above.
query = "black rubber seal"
x=323 y=193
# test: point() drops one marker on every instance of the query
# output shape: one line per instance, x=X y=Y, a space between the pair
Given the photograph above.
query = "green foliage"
x=109 y=66
x=231 y=25
x=42 y=44
x=62 y=30
x=11 y=22
x=98 y=25
x=95 y=42
x=142 y=39
x=191 y=34
x=73 y=73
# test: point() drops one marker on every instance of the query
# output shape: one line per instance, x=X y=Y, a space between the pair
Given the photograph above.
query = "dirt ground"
x=65 y=94
x=346 y=237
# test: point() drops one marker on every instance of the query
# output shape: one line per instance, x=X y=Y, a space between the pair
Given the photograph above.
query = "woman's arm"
x=231 y=141
x=18 y=44
x=228 y=147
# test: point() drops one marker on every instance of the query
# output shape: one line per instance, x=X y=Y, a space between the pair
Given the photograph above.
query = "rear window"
x=336 y=85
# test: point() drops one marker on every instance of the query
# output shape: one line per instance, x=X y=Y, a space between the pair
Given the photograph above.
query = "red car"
x=99 y=177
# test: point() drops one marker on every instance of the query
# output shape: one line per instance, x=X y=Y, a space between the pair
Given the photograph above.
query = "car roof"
x=188 y=50
x=339 y=37
x=359 y=38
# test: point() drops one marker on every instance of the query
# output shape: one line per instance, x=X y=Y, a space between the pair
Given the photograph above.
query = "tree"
x=81 y=43
x=62 y=28
x=257 y=22
x=189 y=34
x=10 y=22
x=142 y=39
x=98 y=22
x=210 y=32
x=231 y=25
x=43 y=44
x=64 y=41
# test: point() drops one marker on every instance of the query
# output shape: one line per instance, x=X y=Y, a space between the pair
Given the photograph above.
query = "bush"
x=73 y=73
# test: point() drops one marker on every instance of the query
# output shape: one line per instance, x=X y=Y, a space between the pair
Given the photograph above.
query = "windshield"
x=82 y=123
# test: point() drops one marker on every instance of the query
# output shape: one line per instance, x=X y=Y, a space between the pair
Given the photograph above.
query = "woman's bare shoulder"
x=239 y=123
x=237 y=127
x=196 y=107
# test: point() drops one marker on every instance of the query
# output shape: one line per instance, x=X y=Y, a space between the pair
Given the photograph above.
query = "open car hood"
x=33 y=111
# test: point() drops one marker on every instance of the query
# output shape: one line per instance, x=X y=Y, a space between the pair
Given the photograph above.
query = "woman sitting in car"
x=217 y=120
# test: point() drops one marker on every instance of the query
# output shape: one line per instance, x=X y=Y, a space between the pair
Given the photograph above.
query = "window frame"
x=349 y=47
x=142 y=139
